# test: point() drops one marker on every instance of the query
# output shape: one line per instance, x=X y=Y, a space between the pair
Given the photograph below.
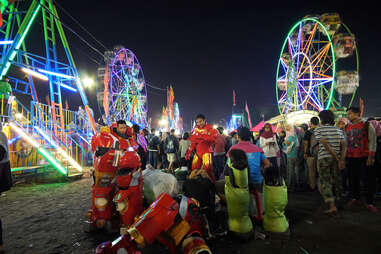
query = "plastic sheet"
x=156 y=182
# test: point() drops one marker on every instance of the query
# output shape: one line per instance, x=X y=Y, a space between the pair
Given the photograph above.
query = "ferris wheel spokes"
x=127 y=90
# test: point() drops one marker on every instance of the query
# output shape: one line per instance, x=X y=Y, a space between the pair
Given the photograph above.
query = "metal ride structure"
x=318 y=66
x=125 y=93
x=57 y=133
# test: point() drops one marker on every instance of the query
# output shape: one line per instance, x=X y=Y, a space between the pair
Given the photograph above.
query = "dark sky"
x=207 y=50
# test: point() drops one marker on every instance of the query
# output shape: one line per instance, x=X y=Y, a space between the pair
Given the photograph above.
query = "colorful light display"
x=309 y=59
x=125 y=94
x=170 y=116
x=33 y=120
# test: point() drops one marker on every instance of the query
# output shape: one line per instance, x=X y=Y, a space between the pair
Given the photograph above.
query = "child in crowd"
x=237 y=194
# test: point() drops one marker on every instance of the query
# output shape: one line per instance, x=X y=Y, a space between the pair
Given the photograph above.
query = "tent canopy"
x=260 y=126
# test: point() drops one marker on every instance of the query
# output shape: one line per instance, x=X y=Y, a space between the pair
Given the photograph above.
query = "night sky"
x=207 y=50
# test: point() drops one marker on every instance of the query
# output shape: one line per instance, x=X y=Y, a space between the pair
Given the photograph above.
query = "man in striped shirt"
x=331 y=158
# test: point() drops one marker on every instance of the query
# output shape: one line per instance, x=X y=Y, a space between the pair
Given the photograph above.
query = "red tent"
x=260 y=126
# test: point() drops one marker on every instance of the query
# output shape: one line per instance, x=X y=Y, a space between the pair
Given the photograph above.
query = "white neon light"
x=5 y=42
x=56 y=74
x=35 y=74
x=84 y=139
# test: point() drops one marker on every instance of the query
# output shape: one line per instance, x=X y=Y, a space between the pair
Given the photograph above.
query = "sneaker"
x=372 y=208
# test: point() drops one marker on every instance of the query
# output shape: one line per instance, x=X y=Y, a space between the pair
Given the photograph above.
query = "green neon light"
x=48 y=156
x=24 y=168
x=28 y=26
x=52 y=160
x=24 y=33
x=333 y=60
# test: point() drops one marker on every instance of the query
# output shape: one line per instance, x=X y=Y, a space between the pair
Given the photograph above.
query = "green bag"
x=238 y=199
x=275 y=198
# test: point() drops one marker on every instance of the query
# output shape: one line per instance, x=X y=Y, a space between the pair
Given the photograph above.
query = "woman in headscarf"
x=268 y=143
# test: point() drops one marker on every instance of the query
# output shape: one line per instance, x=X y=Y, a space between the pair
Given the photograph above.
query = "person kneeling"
x=237 y=194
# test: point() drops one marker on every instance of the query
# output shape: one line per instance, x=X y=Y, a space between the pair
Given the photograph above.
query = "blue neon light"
x=14 y=139
x=285 y=67
x=68 y=87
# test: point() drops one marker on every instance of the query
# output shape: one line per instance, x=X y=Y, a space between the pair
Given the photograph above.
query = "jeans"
x=152 y=158
x=356 y=167
x=292 y=173
x=219 y=164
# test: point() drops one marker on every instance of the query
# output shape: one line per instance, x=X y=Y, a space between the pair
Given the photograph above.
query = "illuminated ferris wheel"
x=124 y=95
x=318 y=66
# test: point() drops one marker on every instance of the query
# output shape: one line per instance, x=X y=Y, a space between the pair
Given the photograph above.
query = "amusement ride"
x=124 y=93
x=318 y=68
x=42 y=129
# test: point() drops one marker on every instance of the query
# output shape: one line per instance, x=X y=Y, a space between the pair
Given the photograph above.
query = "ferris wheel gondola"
x=311 y=73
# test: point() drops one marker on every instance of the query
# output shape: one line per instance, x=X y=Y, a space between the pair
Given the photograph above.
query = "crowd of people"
x=336 y=157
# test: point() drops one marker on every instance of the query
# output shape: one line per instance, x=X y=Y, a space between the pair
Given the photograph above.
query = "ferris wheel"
x=125 y=94
x=318 y=66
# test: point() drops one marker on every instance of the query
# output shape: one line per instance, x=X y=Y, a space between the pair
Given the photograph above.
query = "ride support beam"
x=19 y=38
x=71 y=62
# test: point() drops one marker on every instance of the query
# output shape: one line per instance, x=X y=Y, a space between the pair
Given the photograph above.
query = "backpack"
x=153 y=142
x=170 y=145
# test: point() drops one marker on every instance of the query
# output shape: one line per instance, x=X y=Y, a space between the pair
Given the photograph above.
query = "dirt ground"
x=48 y=218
